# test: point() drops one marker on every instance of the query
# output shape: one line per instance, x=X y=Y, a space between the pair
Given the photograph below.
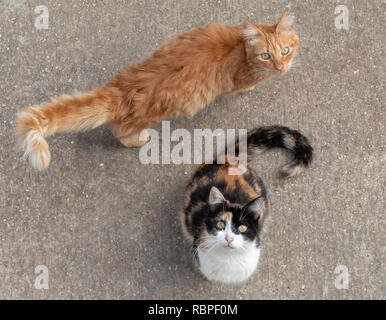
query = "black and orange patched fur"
x=180 y=78
x=223 y=214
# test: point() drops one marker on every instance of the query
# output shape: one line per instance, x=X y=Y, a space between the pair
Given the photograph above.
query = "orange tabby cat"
x=180 y=78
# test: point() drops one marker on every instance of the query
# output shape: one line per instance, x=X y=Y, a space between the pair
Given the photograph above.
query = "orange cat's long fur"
x=180 y=78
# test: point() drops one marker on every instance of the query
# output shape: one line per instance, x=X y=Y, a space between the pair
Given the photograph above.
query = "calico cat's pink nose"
x=229 y=239
x=279 y=67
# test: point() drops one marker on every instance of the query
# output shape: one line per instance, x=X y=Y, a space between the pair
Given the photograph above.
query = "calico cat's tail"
x=67 y=113
x=286 y=138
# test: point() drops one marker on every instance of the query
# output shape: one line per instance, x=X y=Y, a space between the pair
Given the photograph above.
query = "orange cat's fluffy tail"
x=67 y=113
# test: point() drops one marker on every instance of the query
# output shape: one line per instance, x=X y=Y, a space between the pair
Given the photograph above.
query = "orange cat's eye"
x=285 y=51
x=265 y=56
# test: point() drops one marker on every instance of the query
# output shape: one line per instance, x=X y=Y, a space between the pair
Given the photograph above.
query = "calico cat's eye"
x=243 y=228
x=265 y=56
x=220 y=225
x=285 y=51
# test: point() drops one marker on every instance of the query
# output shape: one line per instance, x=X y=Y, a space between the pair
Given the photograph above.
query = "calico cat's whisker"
x=208 y=250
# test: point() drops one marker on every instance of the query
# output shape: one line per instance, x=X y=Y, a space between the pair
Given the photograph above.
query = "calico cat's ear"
x=215 y=197
x=251 y=34
x=285 y=24
x=256 y=207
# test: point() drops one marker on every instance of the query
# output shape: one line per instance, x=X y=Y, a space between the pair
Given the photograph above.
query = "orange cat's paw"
x=248 y=89
x=135 y=140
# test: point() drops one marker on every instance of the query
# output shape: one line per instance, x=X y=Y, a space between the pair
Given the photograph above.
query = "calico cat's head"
x=271 y=47
x=230 y=226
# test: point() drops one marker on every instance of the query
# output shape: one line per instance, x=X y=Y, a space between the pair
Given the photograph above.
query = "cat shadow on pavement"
x=97 y=138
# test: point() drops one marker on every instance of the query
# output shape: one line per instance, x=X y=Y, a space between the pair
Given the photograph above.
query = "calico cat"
x=180 y=78
x=223 y=214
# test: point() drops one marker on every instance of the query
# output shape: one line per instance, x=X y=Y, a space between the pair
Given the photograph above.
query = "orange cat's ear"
x=251 y=34
x=285 y=24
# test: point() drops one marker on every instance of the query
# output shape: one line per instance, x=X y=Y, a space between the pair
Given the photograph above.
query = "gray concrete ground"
x=107 y=226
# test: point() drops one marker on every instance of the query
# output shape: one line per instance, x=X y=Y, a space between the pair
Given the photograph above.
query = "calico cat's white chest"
x=229 y=267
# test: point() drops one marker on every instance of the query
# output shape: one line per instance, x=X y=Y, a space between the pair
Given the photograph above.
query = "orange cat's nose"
x=279 y=67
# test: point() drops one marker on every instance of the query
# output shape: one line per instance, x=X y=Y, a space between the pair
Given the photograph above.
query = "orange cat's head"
x=271 y=47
